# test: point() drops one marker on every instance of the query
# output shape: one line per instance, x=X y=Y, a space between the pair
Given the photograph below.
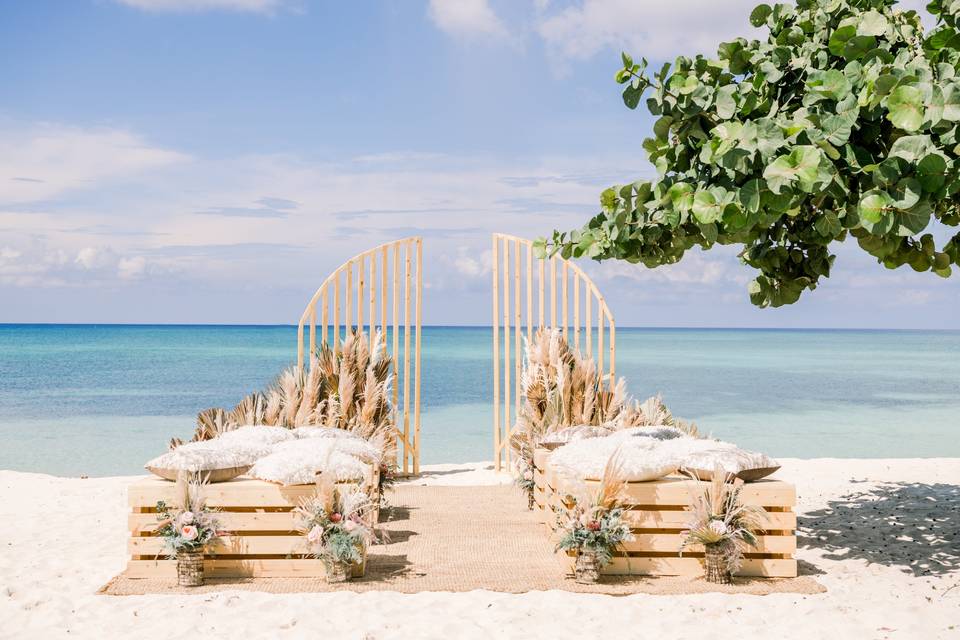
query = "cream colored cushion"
x=300 y=461
x=215 y=461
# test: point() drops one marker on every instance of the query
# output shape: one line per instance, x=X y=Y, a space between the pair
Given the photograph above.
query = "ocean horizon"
x=101 y=399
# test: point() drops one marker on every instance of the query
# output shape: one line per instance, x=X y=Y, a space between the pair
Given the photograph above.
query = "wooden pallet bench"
x=658 y=513
x=262 y=540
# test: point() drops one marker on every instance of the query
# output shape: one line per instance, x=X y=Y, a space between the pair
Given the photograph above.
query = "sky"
x=210 y=161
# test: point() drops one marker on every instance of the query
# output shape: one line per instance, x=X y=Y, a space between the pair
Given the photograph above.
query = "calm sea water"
x=101 y=400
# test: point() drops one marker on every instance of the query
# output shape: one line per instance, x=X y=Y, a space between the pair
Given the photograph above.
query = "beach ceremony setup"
x=308 y=368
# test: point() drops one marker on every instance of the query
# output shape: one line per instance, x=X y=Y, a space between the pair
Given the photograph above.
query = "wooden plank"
x=325 y=316
x=242 y=492
x=613 y=352
x=284 y=521
x=416 y=387
x=336 y=312
x=214 y=568
x=673 y=542
x=541 y=267
x=566 y=322
x=383 y=295
x=517 y=332
x=674 y=490
x=396 y=323
x=553 y=292
x=228 y=545
x=587 y=313
x=347 y=297
x=496 y=352
x=506 y=345
x=529 y=292
x=406 y=358
x=372 y=315
x=361 y=281
x=576 y=310
x=692 y=567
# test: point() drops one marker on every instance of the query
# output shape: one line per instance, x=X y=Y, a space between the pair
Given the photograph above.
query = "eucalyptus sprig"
x=843 y=122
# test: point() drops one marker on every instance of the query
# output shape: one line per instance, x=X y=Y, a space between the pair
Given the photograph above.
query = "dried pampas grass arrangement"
x=347 y=390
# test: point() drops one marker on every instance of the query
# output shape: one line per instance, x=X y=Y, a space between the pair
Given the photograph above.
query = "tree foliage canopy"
x=844 y=122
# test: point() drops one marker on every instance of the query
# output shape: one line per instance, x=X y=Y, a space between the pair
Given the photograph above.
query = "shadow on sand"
x=910 y=526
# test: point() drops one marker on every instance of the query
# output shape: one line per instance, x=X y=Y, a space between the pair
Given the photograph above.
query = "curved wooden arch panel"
x=381 y=288
x=521 y=285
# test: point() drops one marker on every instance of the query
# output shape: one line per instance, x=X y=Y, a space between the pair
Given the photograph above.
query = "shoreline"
x=880 y=535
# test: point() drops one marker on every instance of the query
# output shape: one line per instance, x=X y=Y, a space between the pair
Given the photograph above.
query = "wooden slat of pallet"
x=672 y=542
x=228 y=545
x=692 y=567
x=146 y=523
x=653 y=518
x=243 y=492
x=677 y=491
x=255 y=568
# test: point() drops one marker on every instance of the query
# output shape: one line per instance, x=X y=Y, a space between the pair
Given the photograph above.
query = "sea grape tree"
x=843 y=122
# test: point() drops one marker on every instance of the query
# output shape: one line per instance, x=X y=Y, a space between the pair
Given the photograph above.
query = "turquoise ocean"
x=102 y=399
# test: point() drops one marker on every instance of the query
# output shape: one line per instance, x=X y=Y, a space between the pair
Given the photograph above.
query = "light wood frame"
x=356 y=296
x=517 y=274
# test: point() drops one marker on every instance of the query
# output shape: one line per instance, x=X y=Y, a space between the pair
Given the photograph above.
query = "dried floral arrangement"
x=334 y=525
x=591 y=524
x=188 y=525
x=723 y=525
x=349 y=390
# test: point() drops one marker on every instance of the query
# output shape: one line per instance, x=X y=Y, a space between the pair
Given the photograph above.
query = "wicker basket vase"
x=586 y=570
x=531 y=502
x=715 y=568
x=338 y=571
x=190 y=568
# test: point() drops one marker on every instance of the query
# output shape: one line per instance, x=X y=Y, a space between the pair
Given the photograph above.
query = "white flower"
x=349 y=525
x=718 y=527
x=314 y=535
x=186 y=517
x=528 y=475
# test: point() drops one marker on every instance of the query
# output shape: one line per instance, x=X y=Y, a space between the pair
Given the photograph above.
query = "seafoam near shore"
x=881 y=535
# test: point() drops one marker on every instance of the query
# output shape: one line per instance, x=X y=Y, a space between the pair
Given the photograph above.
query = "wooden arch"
x=387 y=281
x=520 y=305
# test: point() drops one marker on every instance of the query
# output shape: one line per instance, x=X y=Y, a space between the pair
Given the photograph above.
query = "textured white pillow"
x=324 y=432
x=747 y=465
x=299 y=461
x=577 y=432
x=232 y=459
x=258 y=437
x=587 y=459
x=661 y=432
x=358 y=448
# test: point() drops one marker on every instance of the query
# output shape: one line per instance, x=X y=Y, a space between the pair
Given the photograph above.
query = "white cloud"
x=656 y=30
x=252 y=6
x=466 y=18
x=39 y=264
x=41 y=162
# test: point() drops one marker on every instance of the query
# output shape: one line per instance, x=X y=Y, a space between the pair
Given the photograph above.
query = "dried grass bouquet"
x=723 y=525
x=187 y=526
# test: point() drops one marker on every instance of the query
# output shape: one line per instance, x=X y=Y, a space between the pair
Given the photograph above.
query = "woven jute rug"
x=462 y=539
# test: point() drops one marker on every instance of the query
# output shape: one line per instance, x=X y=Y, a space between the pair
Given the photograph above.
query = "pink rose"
x=335 y=517
x=593 y=525
x=189 y=532
x=315 y=534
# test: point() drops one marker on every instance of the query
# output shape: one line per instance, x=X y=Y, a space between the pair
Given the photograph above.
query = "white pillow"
x=577 y=432
x=358 y=448
x=641 y=458
x=661 y=432
x=746 y=465
x=230 y=459
x=324 y=432
x=298 y=463
x=259 y=437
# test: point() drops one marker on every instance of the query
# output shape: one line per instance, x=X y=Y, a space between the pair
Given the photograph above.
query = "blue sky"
x=211 y=160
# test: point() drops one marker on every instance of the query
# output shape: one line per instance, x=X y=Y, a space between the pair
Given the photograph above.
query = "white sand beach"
x=880 y=535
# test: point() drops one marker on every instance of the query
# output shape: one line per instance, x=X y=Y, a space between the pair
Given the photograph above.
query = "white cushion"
x=746 y=465
x=577 y=432
x=358 y=448
x=324 y=432
x=298 y=462
x=258 y=437
x=205 y=456
x=660 y=432
x=587 y=459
